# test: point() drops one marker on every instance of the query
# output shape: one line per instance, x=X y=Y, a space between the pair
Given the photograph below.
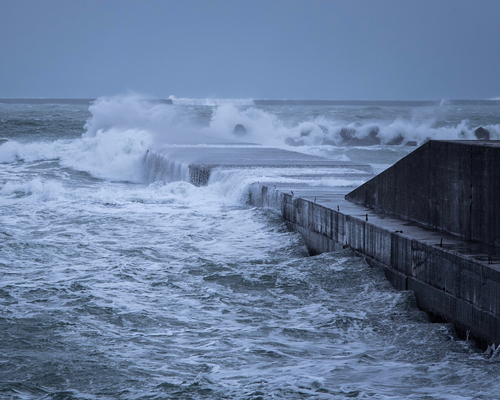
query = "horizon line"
x=171 y=99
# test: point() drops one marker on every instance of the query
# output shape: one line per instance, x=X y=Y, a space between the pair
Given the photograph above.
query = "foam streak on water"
x=114 y=285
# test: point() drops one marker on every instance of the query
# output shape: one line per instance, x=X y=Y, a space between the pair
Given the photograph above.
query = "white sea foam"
x=268 y=129
x=210 y=101
x=121 y=130
x=169 y=290
x=42 y=190
x=113 y=154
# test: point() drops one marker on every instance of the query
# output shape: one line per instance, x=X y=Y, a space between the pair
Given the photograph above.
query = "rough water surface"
x=119 y=288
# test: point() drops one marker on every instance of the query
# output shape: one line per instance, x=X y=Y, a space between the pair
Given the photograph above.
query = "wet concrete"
x=454 y=279
x=201 y=160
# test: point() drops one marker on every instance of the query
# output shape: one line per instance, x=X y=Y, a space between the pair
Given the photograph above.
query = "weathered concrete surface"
x=452 y=278
x=448 y=185
x=196 y=163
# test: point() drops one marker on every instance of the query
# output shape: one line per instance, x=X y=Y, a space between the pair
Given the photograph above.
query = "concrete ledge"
x=449 y=285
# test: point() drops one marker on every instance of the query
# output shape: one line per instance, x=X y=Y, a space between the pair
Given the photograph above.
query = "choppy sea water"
x=113 y=286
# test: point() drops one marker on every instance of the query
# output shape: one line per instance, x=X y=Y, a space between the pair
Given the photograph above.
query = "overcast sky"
x=369 y=49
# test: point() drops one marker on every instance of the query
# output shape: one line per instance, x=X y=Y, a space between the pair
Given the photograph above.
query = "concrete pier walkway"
x=428 y=221
x=455 y=278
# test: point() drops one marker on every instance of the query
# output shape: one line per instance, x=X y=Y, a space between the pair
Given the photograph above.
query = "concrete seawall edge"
x=449 y=286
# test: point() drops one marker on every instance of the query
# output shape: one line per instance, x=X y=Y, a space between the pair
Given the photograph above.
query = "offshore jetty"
x=431 y=221
x=196 y=164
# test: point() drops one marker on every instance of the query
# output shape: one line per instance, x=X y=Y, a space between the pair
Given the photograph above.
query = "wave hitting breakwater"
x=121 y=280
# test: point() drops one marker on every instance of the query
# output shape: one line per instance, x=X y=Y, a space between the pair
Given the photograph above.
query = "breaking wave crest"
x=210 y=102
x=123 y=132
x=361 y=129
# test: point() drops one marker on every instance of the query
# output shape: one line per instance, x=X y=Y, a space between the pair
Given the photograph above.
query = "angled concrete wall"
x=452 y=186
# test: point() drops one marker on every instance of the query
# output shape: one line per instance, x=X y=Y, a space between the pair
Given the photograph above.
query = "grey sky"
x=368 y=49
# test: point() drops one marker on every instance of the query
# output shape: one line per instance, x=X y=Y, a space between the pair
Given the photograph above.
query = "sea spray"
x=113 y=154
x=209 y=101
x=120 y=130
x=118 y=289
x=402 y=126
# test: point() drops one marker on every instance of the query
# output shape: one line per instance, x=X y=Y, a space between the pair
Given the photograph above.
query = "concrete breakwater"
x=452 y=186
x=418 y=228
x=196 y=164
x=454 y=278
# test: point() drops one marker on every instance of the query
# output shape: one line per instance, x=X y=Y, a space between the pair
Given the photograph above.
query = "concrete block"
x=452 y=186
x=401 y=254
x=355 y=233
x=378 y=243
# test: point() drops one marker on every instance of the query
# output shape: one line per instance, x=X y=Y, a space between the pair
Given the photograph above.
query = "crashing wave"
x=210 y=102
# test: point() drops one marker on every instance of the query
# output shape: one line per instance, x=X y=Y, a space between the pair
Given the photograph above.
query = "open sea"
x=117 y=286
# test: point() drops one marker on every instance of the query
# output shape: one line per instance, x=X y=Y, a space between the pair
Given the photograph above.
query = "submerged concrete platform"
x=196 y=163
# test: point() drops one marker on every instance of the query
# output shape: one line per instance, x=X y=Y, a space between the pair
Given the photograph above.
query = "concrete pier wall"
x=401 y=220
x=453 y=186
x=448 y=285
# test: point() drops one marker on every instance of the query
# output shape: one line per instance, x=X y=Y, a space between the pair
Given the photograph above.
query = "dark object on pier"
x=482 y=134
x=239 y=130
